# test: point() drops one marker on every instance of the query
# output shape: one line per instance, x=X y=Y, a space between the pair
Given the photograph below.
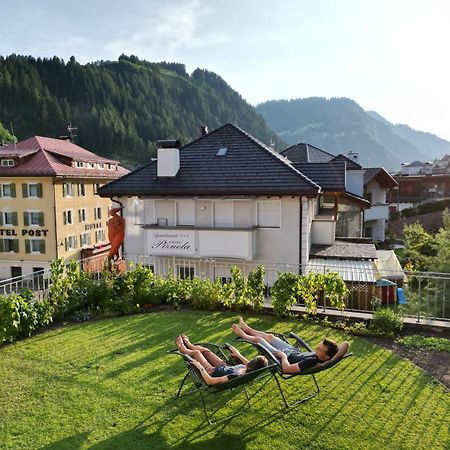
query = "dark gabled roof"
x=344 y=250
x=248 y=168
x=381 y=176
x=330 y=176
x=306 y=153
x=351 y=164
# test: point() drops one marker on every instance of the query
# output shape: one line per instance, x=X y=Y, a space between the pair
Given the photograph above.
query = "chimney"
x=168 y=161
x=353 y=156
x=204 y=130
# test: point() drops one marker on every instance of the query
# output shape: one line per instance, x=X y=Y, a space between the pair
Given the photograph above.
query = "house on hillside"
x=228 y=199
x=363 y=208
x=49 y=207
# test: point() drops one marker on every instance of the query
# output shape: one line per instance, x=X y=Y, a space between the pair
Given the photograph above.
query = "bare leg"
x=252 y=332
x=196 y=351
x=243 y=334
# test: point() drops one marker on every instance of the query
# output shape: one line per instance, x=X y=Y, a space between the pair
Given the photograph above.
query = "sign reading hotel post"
x=172 y=242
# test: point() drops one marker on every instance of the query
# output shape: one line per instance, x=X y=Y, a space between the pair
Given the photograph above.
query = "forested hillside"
x=120 y=107
x=339 y=125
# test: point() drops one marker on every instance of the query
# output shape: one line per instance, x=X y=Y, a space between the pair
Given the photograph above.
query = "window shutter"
x=41 y=219
x=1 y=218
x=42 y=246
x=64 y=190
x=13 y=189
x=26 y=220
x=27 y=246
x=16 y=245
x=64 y=217
x=14 y=218
x=66 y=244
x=75 y=242
x=2 y=245
x=24 y=190
x=39 y=190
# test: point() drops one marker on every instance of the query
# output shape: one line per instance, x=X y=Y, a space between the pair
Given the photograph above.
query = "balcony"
x=198 y=242
x=377 y=212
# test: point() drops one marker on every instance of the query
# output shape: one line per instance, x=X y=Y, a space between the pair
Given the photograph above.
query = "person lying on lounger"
x=292 y=359
x=212 y=368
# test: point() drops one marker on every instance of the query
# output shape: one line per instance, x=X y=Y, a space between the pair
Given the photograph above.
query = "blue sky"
x=389 y=56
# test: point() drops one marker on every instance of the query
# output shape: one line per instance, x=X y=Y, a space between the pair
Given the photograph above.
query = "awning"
x=388 y=265
x=357 y=271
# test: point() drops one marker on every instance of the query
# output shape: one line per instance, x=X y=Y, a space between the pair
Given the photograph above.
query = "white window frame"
x=68 y=190
x=7 y=163
x=66 y=214
x=259 y=203
x=29 y=185
x=82 y=215
x=30 y=215
x=5 y=224
x=97 y=210
x=81 y=190
x=32 y=241
x=71 y=242
x=100 y=233
x=3 y=185
x=9 y=241
x=85 y=237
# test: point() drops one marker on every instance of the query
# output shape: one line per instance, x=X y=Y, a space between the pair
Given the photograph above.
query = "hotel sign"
x=172 y=242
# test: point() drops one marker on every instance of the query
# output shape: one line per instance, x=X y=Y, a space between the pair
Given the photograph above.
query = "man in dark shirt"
x=292 y=359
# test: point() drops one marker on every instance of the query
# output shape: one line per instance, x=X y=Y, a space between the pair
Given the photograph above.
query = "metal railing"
x=427 y=294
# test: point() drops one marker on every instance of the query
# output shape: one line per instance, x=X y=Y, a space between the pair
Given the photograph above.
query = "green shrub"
x=284 y=293
x=387 y=321
x=255 y=288
x=416 y=340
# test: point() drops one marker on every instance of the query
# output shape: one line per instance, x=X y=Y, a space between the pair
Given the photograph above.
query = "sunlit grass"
x=111 y=385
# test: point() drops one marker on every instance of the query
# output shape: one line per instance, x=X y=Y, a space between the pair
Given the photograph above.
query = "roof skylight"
x=222 y=151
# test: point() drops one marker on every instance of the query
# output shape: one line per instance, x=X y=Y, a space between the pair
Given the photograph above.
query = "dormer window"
x=222 y=151
x=80 y=164
x=7 y=162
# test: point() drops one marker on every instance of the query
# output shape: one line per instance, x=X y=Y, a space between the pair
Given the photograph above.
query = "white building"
x=226 y=196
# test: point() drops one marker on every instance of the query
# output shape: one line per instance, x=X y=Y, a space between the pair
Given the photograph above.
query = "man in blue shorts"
x=292 y=359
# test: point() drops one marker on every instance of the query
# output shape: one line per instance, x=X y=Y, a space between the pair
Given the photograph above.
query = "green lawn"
x=110 y=385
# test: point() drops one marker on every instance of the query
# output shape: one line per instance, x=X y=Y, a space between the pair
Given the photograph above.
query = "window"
x=34 y=245
x=269 y=214
x=8 y=218
x=7 y=162
x=97 y=186
x=80 y=164
x=99 y=236
x=70 y=243
x=9 y=245
x=186 y=272
x=186 y=212
x=67 y=217
x=67 y=189
x=82 y=215
x=8 y=190
x=97 y=213
x=81 y=190
x=222 y=151
x=85 y=239
x=32 y=190
x=33 y=218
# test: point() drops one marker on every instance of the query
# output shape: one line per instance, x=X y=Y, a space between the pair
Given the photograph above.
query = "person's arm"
x=285 y=365
x=237 y=354
x=209 y=380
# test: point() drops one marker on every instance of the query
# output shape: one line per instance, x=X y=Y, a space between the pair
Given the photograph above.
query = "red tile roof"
x=42 y=156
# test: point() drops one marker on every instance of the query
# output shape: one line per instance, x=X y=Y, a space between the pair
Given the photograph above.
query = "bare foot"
x=179 y=342
x=186 y=341
x=243 y=325
x=235 y=328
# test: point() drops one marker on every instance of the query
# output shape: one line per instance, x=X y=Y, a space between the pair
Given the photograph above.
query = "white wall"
x=355 y=181
x=378 y=193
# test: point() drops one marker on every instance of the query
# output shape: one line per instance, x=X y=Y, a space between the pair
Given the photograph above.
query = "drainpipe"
x=301 y=237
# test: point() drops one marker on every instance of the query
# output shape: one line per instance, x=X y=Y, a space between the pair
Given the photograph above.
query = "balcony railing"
x=377 y=212
x=427 y=294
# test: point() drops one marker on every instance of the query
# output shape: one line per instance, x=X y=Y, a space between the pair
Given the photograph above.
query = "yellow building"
x=48 y=203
